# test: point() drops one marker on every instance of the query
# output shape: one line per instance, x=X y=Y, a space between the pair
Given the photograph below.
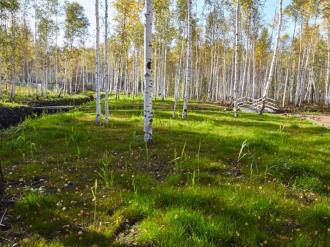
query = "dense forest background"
x=34 y=53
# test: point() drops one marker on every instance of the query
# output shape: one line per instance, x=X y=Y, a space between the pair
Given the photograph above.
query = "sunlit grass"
x=210 y=180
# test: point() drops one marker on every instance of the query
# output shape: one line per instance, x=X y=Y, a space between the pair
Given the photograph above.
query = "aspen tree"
x=236 y=73
x=106 y=69
x=97 y=65
x=272 y=65
x=327 y=79
x=188 y=63
x=148 y=115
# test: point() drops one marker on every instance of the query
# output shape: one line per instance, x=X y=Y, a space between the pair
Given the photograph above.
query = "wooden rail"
x=256 y=104
x=52 y=107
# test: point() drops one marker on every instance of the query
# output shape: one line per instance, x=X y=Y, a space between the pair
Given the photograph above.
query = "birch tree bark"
x=290 y=63
x=189 y=62
x=275 y=54
x=13 y=57
x=177 y=81
x=327 y=79
x=148 y=115
x=106 y=65
x=97 y=65
x=236 y=73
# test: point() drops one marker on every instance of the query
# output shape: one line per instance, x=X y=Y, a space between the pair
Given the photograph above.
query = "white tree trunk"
x=189 y=62
x=290 y=63
x=148 y=115
x=106 y=65
x=327 y=79
x=275 y=54
x=197 y=72
x=177 y=81
x=164 y=73
x=236 y=73
x=97 y=65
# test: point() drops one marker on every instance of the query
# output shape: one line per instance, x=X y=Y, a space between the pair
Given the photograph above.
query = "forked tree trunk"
x=189 y=63
x=273 y=63
x=148 y=115
x=97 y=65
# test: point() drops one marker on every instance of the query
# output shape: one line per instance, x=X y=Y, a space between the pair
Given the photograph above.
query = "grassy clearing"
x=211 y=180
x=25 y=95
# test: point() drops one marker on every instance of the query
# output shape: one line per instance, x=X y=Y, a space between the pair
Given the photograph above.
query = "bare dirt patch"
x=323 y=120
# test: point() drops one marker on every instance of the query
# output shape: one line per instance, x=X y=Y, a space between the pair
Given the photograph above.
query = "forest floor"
x=210 y=180
x=323 y=120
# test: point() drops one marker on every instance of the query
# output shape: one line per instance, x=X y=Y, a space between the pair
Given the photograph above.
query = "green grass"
x=210 y=180
x=10 y=104
x=25 y=95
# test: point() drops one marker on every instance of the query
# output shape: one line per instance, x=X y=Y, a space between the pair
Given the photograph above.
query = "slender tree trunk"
x=155 y=89
x=177 y=82
x=164 y=73
x=148 y=115
x=189 y=62
x=97 y=65
x=289 y=66
x=224 y=73
x=210 y=82
x=106 y=63
x=299 y=68
x=275 y=54
x=327 y=79
x=236 y=73
x=13 y=58
x=197 y=72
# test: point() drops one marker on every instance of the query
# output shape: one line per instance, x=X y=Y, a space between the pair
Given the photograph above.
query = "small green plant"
x=199 y=151
x=134 y=136
x=94 y=200
x=193 y=179
x=268 y=169
x=33 y=148
x=134 y=186
x=183 y=152
x=74 y=138
x=241 y=153
x=308 y=183
x=106 y=172
x=196 y=172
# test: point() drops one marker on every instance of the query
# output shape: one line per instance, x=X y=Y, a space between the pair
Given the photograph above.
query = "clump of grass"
x=31 y=201
x=94 y=200
x=106 y=172
x=241 y=153
x=313 y=184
